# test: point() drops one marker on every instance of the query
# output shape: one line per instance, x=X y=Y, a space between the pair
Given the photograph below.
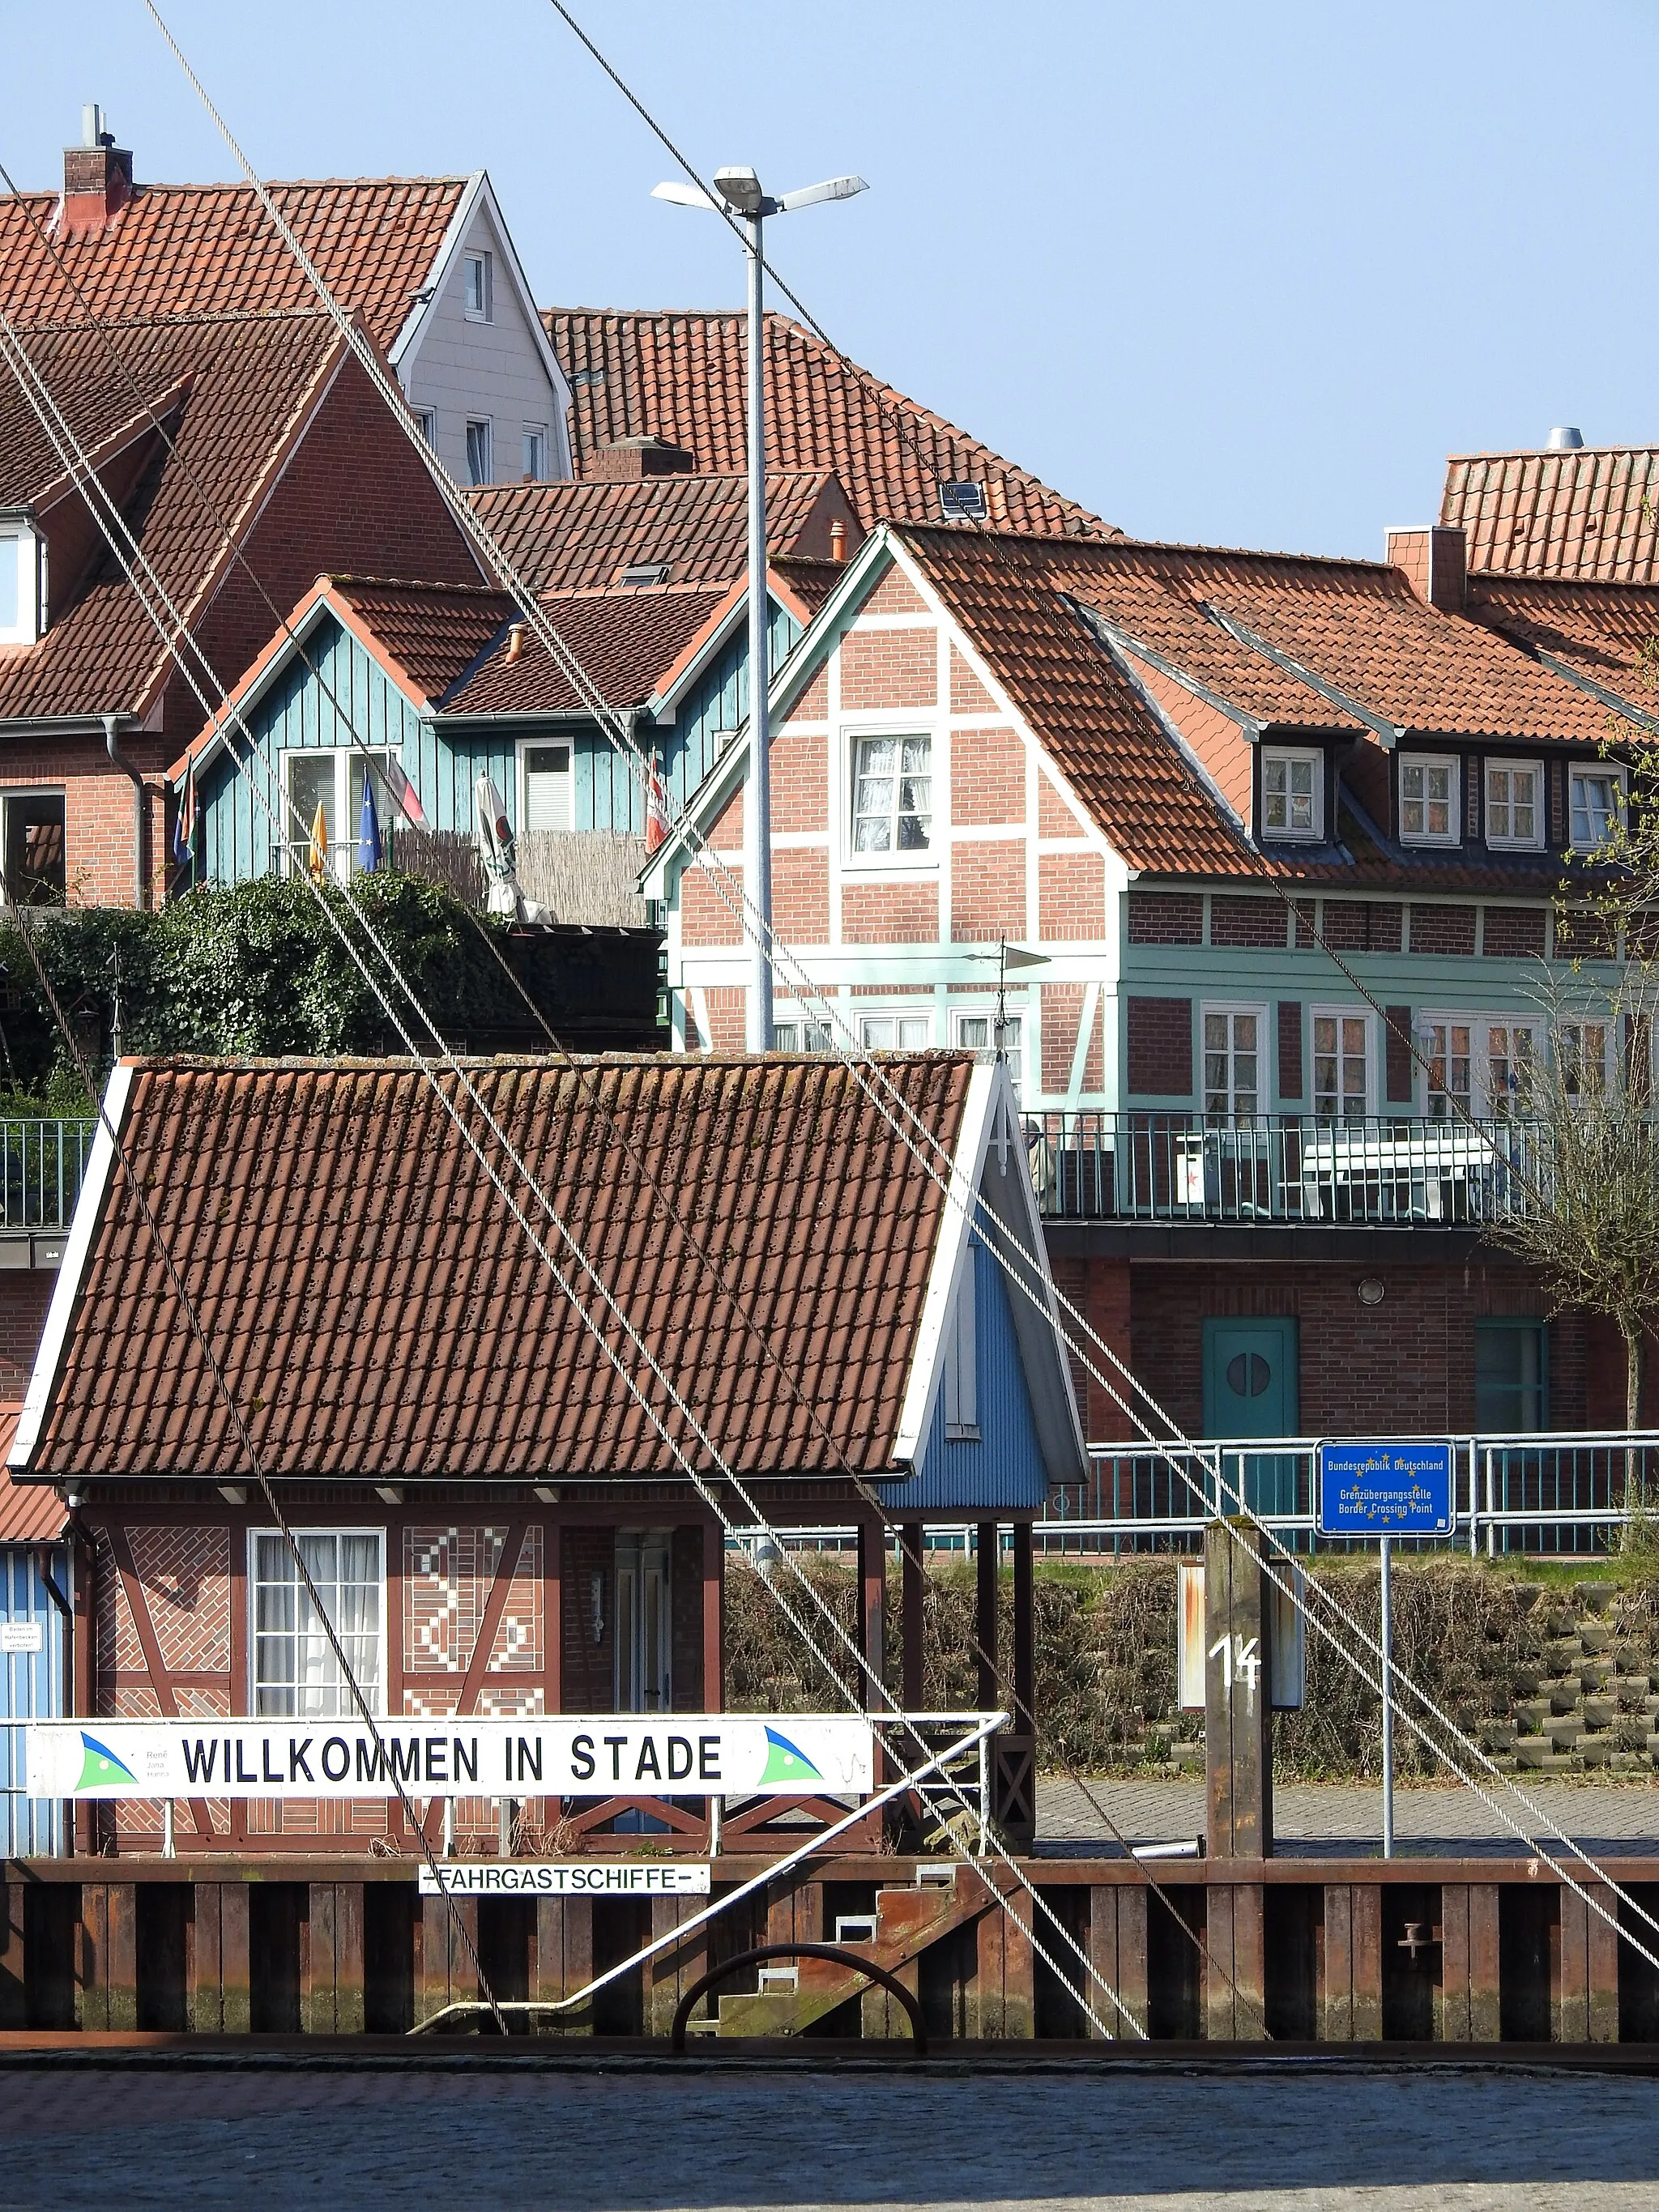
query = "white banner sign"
x=21 y=1636
x=595 y=1755
x=577 y=1878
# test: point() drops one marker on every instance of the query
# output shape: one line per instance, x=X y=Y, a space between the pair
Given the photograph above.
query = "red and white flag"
x=404 y=796
x=656 y=814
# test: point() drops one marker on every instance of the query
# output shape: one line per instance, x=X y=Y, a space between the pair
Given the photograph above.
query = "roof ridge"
x=412 y=584
x=1549 y=453
x=1056 y=546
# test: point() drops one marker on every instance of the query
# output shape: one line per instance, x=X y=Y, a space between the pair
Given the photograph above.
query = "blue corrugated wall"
x=1003 y=1471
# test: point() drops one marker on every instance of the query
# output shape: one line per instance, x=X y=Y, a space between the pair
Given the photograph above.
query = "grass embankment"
x=1512 y=1650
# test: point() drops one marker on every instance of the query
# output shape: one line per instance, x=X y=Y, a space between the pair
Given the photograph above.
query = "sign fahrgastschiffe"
x=595 y=1755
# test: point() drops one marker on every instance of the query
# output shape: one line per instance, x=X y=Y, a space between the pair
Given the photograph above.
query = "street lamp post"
x=740 y=194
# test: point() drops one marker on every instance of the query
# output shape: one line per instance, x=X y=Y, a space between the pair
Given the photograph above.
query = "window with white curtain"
x=1292 y=793
x=296 y=1675
x=1515 y=804
x=892 y=795
x=1428 y=800
x=978 y=1033
x=896 y=1032
x=1232 y=1062
x=1342 y=1065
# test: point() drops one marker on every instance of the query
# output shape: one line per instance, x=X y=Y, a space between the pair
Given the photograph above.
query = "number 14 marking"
x=1240 y=1655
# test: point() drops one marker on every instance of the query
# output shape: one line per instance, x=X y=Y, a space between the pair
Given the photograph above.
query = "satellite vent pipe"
x=118 y=759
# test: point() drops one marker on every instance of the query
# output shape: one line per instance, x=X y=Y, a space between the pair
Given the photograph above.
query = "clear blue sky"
x=1241 y=274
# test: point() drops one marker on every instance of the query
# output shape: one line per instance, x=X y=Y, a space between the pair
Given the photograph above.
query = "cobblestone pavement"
x=1316 y=1818
x=1260 y=2138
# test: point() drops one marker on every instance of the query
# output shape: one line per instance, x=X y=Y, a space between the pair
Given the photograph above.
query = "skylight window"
x=962 y=501
x=647 y=572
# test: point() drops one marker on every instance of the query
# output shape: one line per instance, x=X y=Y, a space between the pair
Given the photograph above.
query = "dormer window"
x=1292 y=793
x=1597 y=806
x=20 y=584
x=1428 y=800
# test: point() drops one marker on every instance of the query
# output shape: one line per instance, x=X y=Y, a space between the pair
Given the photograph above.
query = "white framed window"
x=20 y=596
x=1292 y=793
x=296 y=1675
x=1476 y=1066
x=480 y=451
x=961 y=1378
x=799 y=1035
x=1596 y=805
x=326 y=784
x=1449 y=1047
x=896 y=1032
x=1512 y=1054
x=534 y=451
x=478 y=288
x=1343 y=1086
x=546 y=799
x=1234 y=1039
x=427 y=423
x=1515 y=804
x=892 y=795
x=32 y=837
x=1583 y=1059
x=977 y=1032
x=1428 y=800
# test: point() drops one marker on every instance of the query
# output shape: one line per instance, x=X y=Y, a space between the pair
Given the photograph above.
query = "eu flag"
x=369 y=830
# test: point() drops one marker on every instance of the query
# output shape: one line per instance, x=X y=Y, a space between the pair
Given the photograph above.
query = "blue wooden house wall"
x=1002 y=1470
x=443 y=761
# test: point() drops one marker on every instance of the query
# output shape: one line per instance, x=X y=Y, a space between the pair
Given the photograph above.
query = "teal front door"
x=1250 y=1389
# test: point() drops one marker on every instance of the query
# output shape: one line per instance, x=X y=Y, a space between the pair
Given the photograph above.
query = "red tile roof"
x=681 y=376
x=580 y=537
x=1596 y=629
x=249 y=381
x=397 y=1326
x=1593 y=514
x=30 y=1512
x=434 y=633
x=197 y=249
x=625 y=641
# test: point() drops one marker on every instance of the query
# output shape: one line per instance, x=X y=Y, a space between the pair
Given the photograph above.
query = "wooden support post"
x=1235 y=1983
x=317 y=1997
x=1117 y=1952
x=987 y=1563
x=1024 y=1632
x=206 y=1999
x=1485 y=2023
x=14 y=2005
x=564 y=1960
x=349 y=1974
x=1005 y=1982
x=1603 y=1949
x=1584 y=2007
x=1352 y=2009
x=235 y=1959
x=433 y=1992
x=672 y=1972
x=1238 y=1729
x=1451 y=2020
x=92 y=1960
x=873 y=1576
x=910 y=1615
x=713 y=1619
x=123 y=1958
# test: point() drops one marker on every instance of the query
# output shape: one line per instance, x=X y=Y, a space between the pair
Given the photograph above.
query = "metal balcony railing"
x=41 y=1166
x=1549 y=1492
x=1088 y=1166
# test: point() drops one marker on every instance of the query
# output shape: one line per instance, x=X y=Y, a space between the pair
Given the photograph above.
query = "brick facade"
x=967 y=695
x=1247 y=922
x=25 y=1295
x=1513 y=932
x=988 y=891
x=1443 y=930
x=1364 y=926
x=1166 y=918
x=800 y=761
x=883 y=669
x=1160 y=1047
x=1071 y=896
x=987 y=778
x=904 y=912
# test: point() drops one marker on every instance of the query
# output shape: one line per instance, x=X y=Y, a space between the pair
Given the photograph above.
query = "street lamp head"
x=740 y=189
x=684 y=196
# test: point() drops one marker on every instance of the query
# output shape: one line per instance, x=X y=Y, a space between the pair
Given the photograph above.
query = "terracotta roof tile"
x=682 y=377
x=626 y=642
x=377 y=1314
x=435 y=632
x=579 y=537
x=1596 y=629
x=1592 y=513
x=193 y=249
x=30 y=1512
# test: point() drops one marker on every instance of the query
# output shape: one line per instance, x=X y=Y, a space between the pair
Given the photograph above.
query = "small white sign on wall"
x=21 y=1636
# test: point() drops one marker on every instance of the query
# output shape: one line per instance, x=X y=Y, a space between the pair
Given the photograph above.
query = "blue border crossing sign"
x=1390 y=1487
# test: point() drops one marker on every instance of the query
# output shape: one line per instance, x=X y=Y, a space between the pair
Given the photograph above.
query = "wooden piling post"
x=14 y=2002
x=1234 y=1940
x=1238 y=1732
x=235 y=1958
x=206 y=1987
x=122 y=1957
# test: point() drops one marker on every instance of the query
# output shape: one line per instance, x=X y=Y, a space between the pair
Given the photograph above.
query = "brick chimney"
x=1434 y=562
x=97 y=179
x=627 y=460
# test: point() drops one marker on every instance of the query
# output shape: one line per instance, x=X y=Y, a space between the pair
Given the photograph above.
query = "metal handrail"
x=1186 y=1166
x=42 y=1164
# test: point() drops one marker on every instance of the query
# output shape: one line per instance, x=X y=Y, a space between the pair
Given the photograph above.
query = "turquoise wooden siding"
x=443 y=763
x=1003 y=1470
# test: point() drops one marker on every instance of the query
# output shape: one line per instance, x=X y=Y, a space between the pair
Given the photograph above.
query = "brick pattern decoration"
x=1062 y=1010
x=987 y=778
x=1165 y=918
x=987 y=892
x=800 y=895
x=1362 y=925
x=1405 y=1367
x=1070 y=896
x=1291 y=1078
x=800 y=780
x=25 y=1295
x=1443 y=930
x=183 y=1576
x=1513 y=932
x=881 y=669
x=967 y=695
x=447 y=1576
x=1248 y=922
x=1054 y=815
x=1399 y=1069
x=897 y=913
x=894 y=595
x=705 y=917
x=1160 y=1047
